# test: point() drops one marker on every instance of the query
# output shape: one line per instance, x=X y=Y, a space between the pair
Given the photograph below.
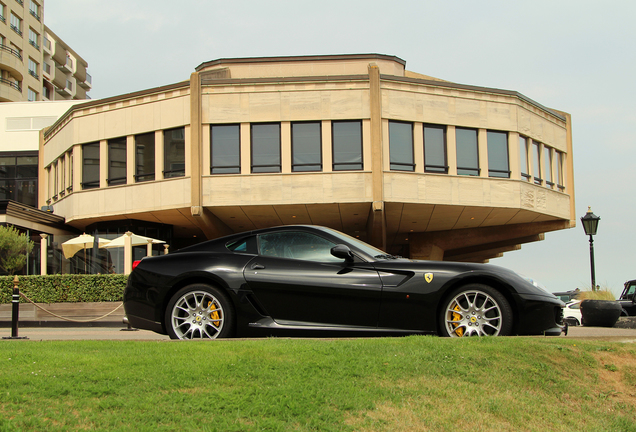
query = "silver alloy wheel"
x=473 y=313
x=197 y=315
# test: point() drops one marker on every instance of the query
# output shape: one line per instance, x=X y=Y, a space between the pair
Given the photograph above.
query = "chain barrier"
x=65 y=318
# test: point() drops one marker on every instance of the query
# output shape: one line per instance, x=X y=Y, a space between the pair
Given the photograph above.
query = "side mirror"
x=342 y=251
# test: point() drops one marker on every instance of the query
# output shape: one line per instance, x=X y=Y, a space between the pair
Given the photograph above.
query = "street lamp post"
x=590 y=225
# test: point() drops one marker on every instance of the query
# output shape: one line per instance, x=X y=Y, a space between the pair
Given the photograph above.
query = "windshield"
x=364 y=247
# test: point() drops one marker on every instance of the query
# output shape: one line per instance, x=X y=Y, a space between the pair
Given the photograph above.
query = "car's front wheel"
x=199 y=311
x=476 y=310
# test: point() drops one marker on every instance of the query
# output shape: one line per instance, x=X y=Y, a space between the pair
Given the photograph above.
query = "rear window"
x=246 y=245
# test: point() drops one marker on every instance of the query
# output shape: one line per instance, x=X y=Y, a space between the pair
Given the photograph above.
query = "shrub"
x=14 y=248
x=603 y=294
x=65 y=288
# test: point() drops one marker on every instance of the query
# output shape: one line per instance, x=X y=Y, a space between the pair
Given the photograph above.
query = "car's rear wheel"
x=476 y=310
x=199 y=311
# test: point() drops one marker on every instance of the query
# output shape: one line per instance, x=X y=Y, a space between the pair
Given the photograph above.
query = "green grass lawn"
x=388 y=384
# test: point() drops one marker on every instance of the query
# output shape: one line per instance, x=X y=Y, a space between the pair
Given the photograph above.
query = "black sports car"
x=315 y=281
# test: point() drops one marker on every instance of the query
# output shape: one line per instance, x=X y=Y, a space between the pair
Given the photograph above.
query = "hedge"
x=65 y=288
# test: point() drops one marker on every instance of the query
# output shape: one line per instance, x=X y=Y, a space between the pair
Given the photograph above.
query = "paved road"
x=115 y=333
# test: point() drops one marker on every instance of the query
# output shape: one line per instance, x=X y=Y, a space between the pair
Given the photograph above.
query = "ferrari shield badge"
x=428 y=277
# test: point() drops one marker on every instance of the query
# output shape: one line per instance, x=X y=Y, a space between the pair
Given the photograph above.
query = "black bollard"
x=15 y=312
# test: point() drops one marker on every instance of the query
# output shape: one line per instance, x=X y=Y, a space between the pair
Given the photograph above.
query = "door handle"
x=257 y=266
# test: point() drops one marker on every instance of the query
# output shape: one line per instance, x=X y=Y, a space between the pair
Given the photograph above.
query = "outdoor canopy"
x=85 y=241
x=136 y=240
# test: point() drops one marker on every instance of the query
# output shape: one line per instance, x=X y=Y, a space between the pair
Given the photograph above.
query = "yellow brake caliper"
x=457 y=317
x=214 y=316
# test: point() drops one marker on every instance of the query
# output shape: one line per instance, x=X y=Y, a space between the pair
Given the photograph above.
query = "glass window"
x=62 y=173
x=347 y=145
x=401 y=146
x=547 y=159
x=537 y=162
x=33 y=68
x=266 y=148
x=2 y=18
x=174 y=152
x=116 y=161
x=435 y=149
x=34 y=38
x=70 y=170
x=306 y=146
x=32 y=95
x=34 y=8
x=559 y=167
x=19 y=177
x=225 y=149
x=90 y=166
x=16 y=24
x=297 y=245
x=523 y=157
x=145 y=157
x=55 y=177
x=498 y=154
x=467 y=152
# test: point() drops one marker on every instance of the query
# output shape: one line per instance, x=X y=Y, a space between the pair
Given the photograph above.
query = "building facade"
x=416 y=165
x=35 y=64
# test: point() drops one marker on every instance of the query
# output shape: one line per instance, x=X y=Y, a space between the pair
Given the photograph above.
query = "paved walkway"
x=116 y=333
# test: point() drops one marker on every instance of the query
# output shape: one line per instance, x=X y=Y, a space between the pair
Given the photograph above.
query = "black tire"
x=475 y=310
x=199 y=311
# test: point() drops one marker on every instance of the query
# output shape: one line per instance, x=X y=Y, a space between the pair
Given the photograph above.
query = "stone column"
x=43 y=253
x=127 y=252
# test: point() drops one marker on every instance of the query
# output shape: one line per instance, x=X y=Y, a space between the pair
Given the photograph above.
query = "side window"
x=297 y=245
x=245 y=245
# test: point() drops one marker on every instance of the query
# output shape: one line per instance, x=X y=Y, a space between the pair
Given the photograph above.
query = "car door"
x=297 y=280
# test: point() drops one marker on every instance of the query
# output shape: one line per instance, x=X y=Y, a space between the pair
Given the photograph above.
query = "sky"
x=576 y=56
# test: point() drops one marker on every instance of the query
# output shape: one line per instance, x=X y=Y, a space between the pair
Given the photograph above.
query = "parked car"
x=315 y=281
x=567 y=296
x=572 y=313
x=628 y=298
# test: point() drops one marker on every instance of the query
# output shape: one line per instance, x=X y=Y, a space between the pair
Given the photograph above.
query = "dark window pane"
x=117 y=161
x=401 y=146
x=297 y=245
x=467 y=152
x=174 y=152
x=7 y=189
x=347 y=145
x=27 y=192
x=225 y=149
x=90 y=166
x=145 y=157
x=435 y=149
x=523 y=156
x=547 y=159
x=7 y=167
x=498 y=154
x=306 y=147
x=266 y=148
x=537 y=162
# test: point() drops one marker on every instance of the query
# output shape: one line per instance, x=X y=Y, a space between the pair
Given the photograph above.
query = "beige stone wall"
x=300 y=68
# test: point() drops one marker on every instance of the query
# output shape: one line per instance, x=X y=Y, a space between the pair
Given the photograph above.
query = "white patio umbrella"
x=136 y=240
x=85 y=241
x=74 y=245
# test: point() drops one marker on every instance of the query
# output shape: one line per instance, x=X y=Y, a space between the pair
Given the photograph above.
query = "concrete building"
x=35 y=64
x=416 y=165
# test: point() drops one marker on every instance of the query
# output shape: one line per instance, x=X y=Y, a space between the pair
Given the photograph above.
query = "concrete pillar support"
x=43 y=253
x=127 y=252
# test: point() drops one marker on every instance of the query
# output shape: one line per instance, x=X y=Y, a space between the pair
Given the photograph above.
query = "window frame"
x=93 y=184
x=476 y=169
x=334 y=164
x=213 y=167
x=537 y=168
x=431 y=168
x=277 y=166
x=295 y=166
x=396 y=165
x=560 y=180
x=173 y=173
x=493 y=173
x=548 y=161
x=523 y=158
x=141 y=177
x=112 y=150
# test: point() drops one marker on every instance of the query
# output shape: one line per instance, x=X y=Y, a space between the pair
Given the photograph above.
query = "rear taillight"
x=135 y=264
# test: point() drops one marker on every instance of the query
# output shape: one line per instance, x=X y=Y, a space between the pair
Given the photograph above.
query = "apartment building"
x=418 y=166
x=36 y=64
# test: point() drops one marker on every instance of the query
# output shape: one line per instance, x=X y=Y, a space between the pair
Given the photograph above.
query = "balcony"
x=88 y=83
x=47 y=45
x=46 y=68
x=67 y=66
x=34 y=44
x=34 y=74
x=10 y=91
x=20 y=2
x=16 y=29
x=11 y=60
x=35 y=14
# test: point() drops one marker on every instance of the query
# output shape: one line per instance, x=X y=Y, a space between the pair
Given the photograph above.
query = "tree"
x=14 y=249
